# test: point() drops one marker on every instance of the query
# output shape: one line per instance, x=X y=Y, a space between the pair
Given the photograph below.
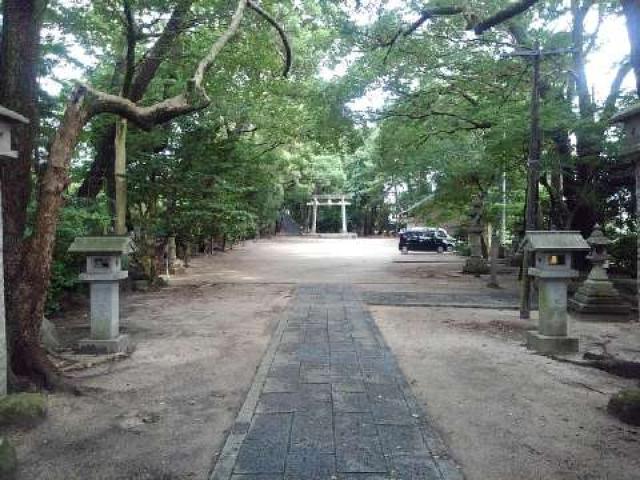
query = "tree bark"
x=28 y=357
x=19 y=60
x=631 y=9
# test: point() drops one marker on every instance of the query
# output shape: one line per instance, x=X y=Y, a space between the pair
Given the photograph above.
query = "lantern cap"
x=627 y=114
x=597 y=238
x=106 y=245
x=555 y=241
x=10 y=116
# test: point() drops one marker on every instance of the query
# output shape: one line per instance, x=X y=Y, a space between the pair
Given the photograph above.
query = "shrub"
x=76 y=220
x=624 y=255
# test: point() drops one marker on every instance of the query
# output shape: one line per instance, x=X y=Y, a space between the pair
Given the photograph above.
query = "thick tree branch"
x=147 y=68
x=130 y=54
x=614 y=92
x=207 y=62
x=503 y=15
x=428 y=14
x=195 y=98
x=288 y=57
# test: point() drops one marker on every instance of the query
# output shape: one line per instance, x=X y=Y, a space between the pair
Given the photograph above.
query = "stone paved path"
x=329 y=402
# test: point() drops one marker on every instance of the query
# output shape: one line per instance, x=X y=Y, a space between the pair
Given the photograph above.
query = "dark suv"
x=425 y=240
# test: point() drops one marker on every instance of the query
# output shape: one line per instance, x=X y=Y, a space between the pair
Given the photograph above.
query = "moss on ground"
x=8 y=460
x=626 y=406
x=22 y=408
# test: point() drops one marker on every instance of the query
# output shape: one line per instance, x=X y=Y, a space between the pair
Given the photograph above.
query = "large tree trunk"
x=631 y=10
x=19 y=58
x=28 y=357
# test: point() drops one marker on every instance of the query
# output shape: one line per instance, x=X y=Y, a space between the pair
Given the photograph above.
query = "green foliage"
x=623 y=253
x=22 y=408
x=76 y=219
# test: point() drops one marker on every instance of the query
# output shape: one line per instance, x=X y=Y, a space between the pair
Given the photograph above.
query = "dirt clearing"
x=507 y=413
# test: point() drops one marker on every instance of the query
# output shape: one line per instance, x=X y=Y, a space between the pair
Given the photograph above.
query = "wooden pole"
x=120 y=172
x=533 y=182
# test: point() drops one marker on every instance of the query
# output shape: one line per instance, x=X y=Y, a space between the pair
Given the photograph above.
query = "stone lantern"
x=8 y=118
x=103 y=275
x=475 y=264
x=553 y=253
x=597 y=295
x=630 y=118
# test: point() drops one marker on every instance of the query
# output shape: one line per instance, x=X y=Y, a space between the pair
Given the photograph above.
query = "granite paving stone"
x=330 y=403
x=265 y=447
x=358 y=447
x=310 y=464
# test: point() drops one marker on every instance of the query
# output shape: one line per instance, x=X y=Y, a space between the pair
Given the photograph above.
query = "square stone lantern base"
x=475 y=265
x=119 y=344
x=600 y=300
x=546 y=344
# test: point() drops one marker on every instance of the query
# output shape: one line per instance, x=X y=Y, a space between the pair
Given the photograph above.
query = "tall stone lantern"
x=475 y=264
x=553 y=253
x=104 y=272
x=8 y=118
x=597 y=295
x=630 y=118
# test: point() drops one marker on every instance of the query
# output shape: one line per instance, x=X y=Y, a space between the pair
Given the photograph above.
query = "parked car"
x=426 y=239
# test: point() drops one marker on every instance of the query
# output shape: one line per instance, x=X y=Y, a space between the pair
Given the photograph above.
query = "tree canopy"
x=238 y=111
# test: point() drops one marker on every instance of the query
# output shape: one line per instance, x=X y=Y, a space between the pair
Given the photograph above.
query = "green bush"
x=76 y=219
x=22 y=408
x=463 y=248
x=624 y=255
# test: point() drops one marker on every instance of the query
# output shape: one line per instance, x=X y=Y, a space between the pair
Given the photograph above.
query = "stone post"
x=343 y=207
x=475 y=264
x=7 y=119
x=171 y=254
x=314 y=218
x=495 y=247
x=630 y=118
x=3 y=332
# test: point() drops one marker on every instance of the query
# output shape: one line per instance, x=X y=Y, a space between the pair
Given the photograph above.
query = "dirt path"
x=167 y=408
x=507 y=414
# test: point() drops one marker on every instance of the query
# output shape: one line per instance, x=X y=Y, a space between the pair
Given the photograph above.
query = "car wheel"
x=404 y=250
x=449 y=248
x=440 y=249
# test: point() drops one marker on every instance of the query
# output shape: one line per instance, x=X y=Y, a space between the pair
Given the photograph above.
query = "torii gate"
x=330 y=200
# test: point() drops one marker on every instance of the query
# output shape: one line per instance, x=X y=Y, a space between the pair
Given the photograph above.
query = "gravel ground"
x=505 y=412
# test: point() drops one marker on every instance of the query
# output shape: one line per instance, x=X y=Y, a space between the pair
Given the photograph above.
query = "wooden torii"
x=339 y=199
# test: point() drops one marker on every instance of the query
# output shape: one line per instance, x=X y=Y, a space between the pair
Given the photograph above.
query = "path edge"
x=441 y=454
x=223 y=468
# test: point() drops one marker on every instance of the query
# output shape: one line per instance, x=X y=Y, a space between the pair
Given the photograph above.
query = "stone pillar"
x=597 y=295
x=552 y=299
x=105 y=310
x=495 y=247
x=476 y=263
x=630 y=118
x=314 y=219
x=3 y=334
x=171 y=254
x=638 y=233
x=7 y=119
x=343 y=207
